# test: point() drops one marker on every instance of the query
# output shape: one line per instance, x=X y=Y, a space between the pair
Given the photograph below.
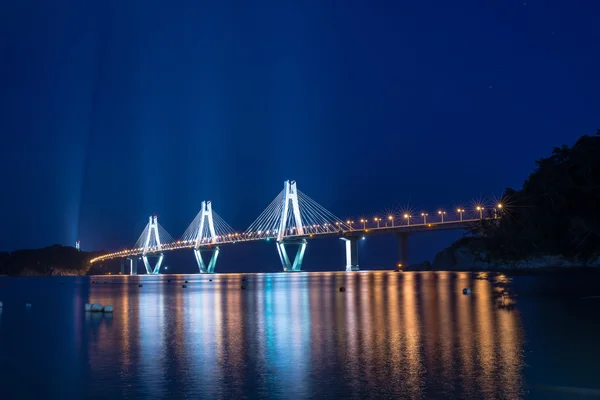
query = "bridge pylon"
x=214 y=254
x=290 y=219
x=292 y=224
x=205 y=232
x=290 y=195
x=288 y=266
x=151 y=243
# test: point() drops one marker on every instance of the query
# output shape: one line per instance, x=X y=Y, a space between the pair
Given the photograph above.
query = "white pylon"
x=206 y=214
x=290 y=194
x=213 y=259
x=285 y=260
x=156 y=269
x=152 y=233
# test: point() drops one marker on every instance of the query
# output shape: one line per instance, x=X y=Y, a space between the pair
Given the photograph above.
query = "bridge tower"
x=153 y=245
x=290 y=219
x=295 y=227
x=205 y=234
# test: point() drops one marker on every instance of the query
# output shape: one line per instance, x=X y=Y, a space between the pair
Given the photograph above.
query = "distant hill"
x=48 y=261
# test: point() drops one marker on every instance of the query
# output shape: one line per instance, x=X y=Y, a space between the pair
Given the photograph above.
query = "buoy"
x=342 y=289
x=466 y=291
x=184 y=286
x=93 y=281
x=210 y=280
x=140 y=285
x=95 y=308
x=186 y=281
x=108 y=309
x=243 y=287
x=168 y=280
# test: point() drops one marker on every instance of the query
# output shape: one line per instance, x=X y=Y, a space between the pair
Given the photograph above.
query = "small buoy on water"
x=168 y=280
x=184 y=286
x=94 y=307
x=342 y=289
x=243 y=287
x=140 y=285
x=186 y=281
x=466 y=291
x=108 y=309
x=210 y=280
x=93 y=281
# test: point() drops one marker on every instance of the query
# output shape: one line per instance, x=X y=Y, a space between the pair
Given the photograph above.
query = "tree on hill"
x=557 y=211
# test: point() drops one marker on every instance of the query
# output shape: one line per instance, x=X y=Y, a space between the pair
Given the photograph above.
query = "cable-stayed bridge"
x=290 y=220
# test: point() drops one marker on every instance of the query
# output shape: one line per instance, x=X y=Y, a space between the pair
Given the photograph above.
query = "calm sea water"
x=389 y=335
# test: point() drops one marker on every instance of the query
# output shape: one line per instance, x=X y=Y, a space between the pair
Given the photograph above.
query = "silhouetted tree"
x=557 y=212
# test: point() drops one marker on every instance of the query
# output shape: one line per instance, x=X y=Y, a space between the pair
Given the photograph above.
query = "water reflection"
x=411 y=335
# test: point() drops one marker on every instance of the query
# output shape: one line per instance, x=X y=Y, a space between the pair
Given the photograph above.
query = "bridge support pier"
x=132 y=266
x=122 y=266
x=296 y=266
x=402 y=249
x=351 y=253
x=213 y=259
x=149 y=269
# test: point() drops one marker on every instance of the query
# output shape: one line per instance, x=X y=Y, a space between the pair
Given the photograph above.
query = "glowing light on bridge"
x=441 y=213
x=480 y=210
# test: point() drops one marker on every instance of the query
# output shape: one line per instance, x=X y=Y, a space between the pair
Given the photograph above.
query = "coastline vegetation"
x=52 y=260
x=555 y=213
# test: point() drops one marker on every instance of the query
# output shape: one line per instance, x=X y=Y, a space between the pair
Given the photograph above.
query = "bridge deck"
x=236 y=238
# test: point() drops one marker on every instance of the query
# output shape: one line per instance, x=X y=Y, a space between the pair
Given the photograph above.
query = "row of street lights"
x=441 y=213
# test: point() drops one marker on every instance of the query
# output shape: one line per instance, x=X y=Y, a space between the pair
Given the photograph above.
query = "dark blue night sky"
x=114 y=110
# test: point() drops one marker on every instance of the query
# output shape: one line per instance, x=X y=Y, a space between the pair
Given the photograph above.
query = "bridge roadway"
x=350 y=236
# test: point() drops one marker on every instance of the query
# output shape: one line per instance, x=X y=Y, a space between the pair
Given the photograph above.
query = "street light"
x=442 y=213
x=480 y=209
x=364 y=221
x=350 y=223
x=497 y=210
x=391 y=218
x=460 y=212
x=424 y=215
x=377 y=220
x=407 y=219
